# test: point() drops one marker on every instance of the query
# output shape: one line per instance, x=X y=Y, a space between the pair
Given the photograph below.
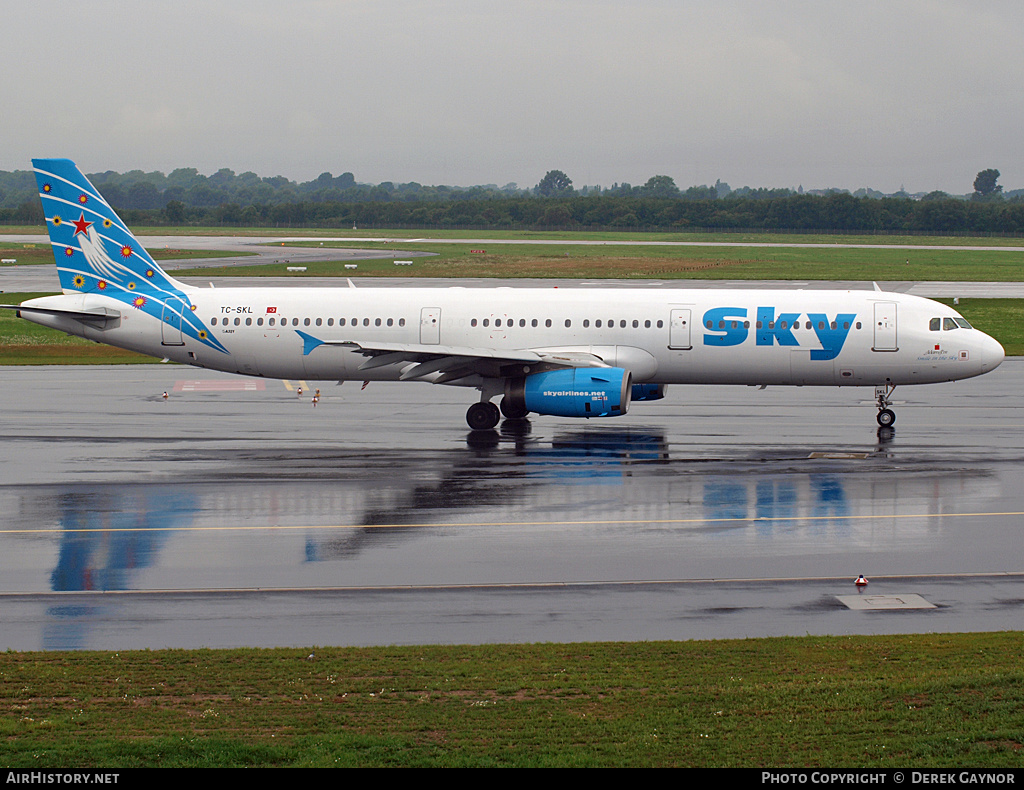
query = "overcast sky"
x=753 y=92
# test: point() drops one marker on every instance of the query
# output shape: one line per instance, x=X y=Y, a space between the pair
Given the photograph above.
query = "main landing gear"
x=886 y=416
x=485 y=415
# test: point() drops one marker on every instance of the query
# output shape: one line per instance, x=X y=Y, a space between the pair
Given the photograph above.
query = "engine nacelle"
x=575 y=392
x=649 y=391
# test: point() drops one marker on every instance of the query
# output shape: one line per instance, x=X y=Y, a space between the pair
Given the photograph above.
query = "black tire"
x=886 y=418
x=513 y=410
x=483 y=416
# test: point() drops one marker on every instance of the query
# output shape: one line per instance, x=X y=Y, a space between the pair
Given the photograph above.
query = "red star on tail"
x=81 y=226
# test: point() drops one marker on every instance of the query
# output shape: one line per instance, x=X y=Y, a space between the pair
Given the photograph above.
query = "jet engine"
x=649 y=391
x=572 y=392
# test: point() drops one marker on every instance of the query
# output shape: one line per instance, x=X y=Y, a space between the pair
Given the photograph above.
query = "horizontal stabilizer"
x=100 y=314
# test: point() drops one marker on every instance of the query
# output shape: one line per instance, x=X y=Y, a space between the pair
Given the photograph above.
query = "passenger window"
x=935 y=324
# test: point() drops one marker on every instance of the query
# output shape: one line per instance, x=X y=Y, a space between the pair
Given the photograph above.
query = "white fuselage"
x=668 y=336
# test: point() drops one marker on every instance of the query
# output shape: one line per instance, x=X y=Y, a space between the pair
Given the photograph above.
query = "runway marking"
x=304 y=386
x=469 y=586
x=450 y=524
x=219 y=385
x=890 y=602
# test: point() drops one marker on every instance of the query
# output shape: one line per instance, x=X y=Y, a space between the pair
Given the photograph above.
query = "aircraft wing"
x=456 y=362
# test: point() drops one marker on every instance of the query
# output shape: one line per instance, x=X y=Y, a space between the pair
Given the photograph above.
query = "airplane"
x=550 y=351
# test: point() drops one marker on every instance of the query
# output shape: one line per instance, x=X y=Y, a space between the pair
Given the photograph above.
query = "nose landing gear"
x=886 y=416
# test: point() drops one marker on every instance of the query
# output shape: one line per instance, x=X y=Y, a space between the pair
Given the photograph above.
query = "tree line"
x=186 y=197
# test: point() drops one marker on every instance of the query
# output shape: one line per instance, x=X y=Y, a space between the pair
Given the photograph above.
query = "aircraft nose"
x=992 y=353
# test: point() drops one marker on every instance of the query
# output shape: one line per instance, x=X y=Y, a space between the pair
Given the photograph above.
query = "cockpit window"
x=948 y=323
x=963 y=323
x=935 y=324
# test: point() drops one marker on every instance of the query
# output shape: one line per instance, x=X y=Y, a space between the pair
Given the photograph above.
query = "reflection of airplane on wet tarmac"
x=563 y=352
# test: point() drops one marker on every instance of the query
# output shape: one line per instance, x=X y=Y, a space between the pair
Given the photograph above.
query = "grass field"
x=935 y=701
x=667 y=263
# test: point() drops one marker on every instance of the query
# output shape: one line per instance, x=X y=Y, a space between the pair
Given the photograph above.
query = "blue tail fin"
x=94 y=251
x=97 y=254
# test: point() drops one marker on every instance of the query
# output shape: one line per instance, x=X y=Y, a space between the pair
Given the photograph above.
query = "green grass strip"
x=937 y=701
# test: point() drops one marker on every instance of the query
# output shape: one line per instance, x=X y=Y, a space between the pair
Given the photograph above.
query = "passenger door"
x=885 y=327
x=679 y=330
x=430 y=325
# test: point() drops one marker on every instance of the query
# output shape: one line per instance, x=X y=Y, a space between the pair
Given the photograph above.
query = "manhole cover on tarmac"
x=885 y=602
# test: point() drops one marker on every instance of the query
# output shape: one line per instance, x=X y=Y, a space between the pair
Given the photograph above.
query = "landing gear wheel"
x=483 y=416
x=512 y=410
x=886 y=418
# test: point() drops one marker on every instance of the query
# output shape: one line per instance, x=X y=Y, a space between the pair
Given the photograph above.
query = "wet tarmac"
x=235 y=513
